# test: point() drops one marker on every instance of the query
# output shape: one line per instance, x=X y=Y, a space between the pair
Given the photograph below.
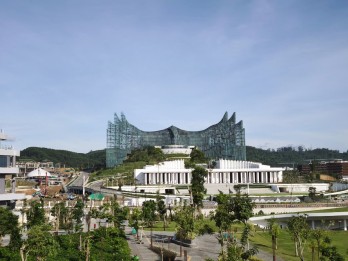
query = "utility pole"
x=84 y=183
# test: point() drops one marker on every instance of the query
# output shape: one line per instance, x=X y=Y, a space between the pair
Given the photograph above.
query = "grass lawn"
x=286 y=247
x=345 y=209
x=170 y=226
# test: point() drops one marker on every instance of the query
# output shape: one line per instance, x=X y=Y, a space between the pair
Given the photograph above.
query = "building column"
x=345 y=224
x=262 y=178
x=313 y=224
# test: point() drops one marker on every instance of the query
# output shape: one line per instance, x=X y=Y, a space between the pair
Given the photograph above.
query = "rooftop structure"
x=26 y=166
x=225 y=139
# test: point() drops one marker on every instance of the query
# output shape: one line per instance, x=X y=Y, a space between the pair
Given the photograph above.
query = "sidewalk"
x=141 y=250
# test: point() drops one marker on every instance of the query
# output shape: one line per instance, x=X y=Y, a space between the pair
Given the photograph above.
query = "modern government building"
x=223 y=142
x=225 y=139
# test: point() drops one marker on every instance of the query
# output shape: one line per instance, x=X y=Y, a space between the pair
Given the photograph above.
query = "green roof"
x=96 y=196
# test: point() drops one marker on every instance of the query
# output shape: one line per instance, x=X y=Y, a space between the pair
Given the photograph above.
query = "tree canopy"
x=147 y=154
x=92 y=159
x=197 y=186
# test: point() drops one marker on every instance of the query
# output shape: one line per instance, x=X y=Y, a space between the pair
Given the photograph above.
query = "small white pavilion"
x=38 y=173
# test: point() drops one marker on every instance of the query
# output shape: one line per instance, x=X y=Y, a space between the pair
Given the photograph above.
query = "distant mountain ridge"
x=292 y=155
x=92 y=159
x=96 y=159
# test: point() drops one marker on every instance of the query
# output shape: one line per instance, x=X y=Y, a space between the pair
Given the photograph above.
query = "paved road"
x=207 y=246
x=79 y=180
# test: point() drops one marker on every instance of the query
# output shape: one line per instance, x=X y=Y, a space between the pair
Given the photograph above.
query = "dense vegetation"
x=42 y=241
x=291 y=155
x=92 y=159
x=149 y=155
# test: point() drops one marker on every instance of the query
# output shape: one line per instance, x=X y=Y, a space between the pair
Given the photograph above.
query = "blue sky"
x=67 y=66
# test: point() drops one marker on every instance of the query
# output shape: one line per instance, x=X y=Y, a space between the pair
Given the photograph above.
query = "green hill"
x=96 y=159
x=291 y=155
x=92 y=159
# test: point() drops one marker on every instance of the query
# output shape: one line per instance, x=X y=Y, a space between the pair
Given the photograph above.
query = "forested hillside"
x=291 y=155
x=96 y=159
x=92 y=159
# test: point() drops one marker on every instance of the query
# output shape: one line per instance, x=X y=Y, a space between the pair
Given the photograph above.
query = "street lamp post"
x=248 y=177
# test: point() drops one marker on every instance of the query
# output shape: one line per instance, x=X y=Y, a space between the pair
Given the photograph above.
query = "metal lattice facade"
x=224 y=140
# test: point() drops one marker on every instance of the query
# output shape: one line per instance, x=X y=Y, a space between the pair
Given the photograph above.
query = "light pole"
x=248 y=177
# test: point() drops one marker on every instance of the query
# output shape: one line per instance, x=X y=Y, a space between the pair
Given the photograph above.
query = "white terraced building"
x=225 y=175
x=8 y=169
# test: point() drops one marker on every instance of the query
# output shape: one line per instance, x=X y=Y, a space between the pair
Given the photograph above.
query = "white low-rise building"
x=8 y=169
x=223 y=176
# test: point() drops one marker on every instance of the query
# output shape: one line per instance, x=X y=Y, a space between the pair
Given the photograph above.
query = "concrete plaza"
x=206 y=246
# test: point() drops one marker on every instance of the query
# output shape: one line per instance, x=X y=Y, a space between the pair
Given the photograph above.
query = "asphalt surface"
x=205 y=246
